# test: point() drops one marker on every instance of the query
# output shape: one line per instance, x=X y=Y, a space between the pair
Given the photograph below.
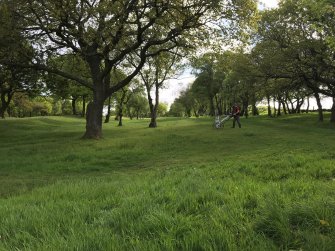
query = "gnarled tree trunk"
x=94 y=114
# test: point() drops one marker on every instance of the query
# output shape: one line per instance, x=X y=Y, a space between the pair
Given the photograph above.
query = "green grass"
x=181 y=186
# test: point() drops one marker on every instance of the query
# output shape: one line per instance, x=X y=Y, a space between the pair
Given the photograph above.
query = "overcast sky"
x=270 y=3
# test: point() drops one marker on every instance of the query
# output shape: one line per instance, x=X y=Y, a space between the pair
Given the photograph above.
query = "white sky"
x=269 y=3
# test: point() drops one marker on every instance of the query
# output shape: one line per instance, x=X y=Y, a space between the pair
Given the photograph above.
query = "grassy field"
x=182 y=186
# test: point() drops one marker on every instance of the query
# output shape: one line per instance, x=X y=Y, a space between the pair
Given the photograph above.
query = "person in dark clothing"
x=236 y=114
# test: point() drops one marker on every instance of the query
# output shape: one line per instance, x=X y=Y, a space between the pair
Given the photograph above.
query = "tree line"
x=290 y=61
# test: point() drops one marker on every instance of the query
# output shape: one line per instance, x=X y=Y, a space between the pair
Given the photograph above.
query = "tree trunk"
x=5 y=103
x=94 y=115
x=307 y=109
x=196 y=112
x=153 y=121
x=274 y=107
x=245 y=108
x=279 y=107
x=287 y=106
x=284 y=107
x=299 y=104
x=318 y=101
x=332 y=116
x=2 y=113
x=9 y=111
x=225 y=110
x=73 y=103
x=255 y=111
x=95 y=107
x=212 y=106
x=218 y=105
x=84 y=106
x=269 y=107
x=153 y=109
x=120 y=115
x=292 y=106
x=108 y=111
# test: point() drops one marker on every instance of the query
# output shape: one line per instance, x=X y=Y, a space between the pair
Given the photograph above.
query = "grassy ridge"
x=182 y=186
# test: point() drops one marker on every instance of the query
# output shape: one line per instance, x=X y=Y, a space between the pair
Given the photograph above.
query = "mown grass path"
x=181 y=186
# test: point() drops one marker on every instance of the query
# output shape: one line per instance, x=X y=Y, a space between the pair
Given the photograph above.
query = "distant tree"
x=122 y=98
x=137 y=106
x=162 y=109
x=154 y=74
x=209 y=81
x=66 y=88
x=177 y=109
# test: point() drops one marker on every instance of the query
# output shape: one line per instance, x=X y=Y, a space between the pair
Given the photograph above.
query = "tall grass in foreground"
x=182 y=186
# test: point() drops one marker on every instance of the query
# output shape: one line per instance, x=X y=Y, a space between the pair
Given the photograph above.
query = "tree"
x=177 y=109
x=209 y=81
x=298 y=40
x=137 y=106
x=154 y=74
x=106 y=33
x=14 y=47
x=67 y=88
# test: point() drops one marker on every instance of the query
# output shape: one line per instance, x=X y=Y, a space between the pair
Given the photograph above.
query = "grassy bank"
x=181 y=186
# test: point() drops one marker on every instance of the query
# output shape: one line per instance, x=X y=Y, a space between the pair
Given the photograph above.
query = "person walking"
x=236 y=114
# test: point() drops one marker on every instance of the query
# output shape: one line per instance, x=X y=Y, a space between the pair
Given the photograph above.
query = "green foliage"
x=296 y=44
x=162 y=109
x=183 y=186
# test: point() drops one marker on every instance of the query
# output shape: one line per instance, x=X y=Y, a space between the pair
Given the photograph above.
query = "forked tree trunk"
x=287 y=106
x=284 y=107
x=318 y=101
x=153 y=107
